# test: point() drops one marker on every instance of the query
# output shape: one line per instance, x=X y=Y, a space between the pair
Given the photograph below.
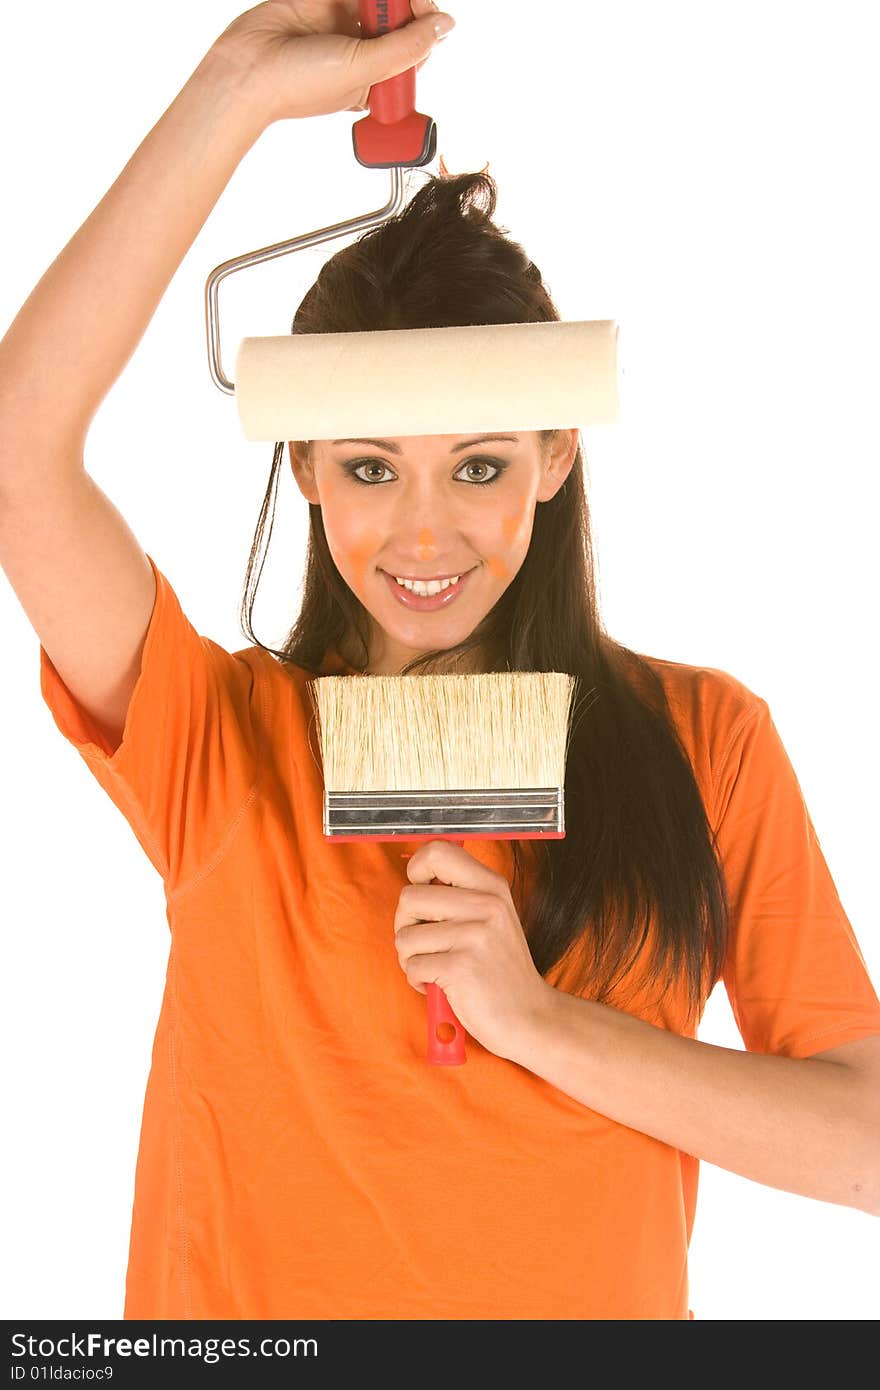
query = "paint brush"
x=444 y=757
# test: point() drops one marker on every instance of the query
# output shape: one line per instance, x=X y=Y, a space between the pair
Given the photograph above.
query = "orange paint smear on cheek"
x=498 y=567
x=358 y=555
x=512 y=525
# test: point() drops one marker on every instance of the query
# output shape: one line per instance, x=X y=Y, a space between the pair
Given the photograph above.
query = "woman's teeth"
x=432 y=586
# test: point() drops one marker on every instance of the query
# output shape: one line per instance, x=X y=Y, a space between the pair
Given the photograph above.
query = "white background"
x=705 y=174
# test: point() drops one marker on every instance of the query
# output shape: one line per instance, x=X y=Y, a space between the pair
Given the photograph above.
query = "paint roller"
x=476 y=377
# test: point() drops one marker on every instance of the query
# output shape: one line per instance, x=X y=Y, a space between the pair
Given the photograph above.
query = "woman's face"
x=425 y=507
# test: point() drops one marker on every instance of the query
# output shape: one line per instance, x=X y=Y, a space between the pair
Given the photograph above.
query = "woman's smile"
x=426 y=602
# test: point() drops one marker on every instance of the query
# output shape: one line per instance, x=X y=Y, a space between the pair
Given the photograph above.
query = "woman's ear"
x=303 y=469
x=557 y=463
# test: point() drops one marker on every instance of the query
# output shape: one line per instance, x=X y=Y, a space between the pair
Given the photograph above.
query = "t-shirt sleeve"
x=794 y=973
x=187 y=764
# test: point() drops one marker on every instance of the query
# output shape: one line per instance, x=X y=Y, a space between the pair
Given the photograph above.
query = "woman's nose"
x=419 y=516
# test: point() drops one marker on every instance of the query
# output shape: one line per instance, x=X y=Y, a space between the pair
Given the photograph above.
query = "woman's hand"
x=307 y=57
x=464 y=935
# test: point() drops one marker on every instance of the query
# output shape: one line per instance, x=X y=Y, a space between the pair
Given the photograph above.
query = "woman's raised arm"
x=75 y=565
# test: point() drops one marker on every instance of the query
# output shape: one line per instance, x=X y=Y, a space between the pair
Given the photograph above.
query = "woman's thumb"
x=389 y=54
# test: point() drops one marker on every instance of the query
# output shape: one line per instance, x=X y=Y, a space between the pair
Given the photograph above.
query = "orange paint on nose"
x=426 y=544
x=498 y=567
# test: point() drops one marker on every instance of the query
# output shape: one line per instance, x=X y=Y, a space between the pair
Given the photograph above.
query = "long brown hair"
x=637 y=836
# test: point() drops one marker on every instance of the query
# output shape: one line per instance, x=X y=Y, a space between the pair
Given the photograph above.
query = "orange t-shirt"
x=298 y=1157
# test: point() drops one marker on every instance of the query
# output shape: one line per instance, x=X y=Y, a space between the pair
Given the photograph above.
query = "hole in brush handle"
x=445 y=1033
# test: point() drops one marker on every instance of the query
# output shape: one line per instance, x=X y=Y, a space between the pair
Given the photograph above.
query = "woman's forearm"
x=808 y=1125
x=84 y=319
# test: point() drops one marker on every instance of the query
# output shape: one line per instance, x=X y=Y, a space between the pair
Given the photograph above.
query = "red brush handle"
x=445 y=1033
x=394 y=133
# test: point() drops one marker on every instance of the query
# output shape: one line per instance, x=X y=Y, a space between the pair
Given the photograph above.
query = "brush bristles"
x=443 y=732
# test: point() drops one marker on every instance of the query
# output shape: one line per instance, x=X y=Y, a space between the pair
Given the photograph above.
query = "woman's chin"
x=407 y=632
x=435 y=633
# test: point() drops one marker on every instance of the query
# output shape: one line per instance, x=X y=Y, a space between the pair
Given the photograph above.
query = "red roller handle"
x=394 y=133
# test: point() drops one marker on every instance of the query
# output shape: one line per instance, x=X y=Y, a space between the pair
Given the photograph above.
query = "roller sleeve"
x=511 y=376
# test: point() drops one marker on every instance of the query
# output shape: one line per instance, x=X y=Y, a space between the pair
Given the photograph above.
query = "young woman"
x=298 y=1158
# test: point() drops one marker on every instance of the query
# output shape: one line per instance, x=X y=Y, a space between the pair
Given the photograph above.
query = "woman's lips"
x=426 y=603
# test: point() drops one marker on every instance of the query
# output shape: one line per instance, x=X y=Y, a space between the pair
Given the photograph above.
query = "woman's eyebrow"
x=393 y=448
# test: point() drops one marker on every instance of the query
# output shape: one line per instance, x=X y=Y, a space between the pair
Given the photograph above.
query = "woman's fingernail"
x=443 y=25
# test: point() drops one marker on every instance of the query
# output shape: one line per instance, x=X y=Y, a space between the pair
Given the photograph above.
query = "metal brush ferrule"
x=509 y=812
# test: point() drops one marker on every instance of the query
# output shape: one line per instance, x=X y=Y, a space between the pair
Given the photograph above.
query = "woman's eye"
x=484 y=463
x=370 y=463
x=497 y=467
